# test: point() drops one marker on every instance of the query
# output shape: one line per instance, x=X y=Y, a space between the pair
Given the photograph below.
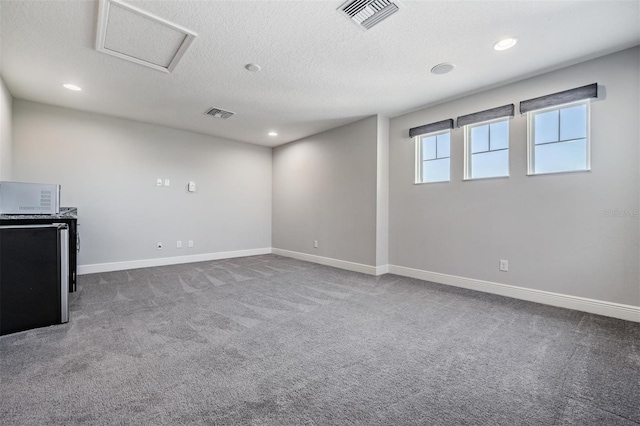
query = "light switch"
x=191 y=187
x=159 y=182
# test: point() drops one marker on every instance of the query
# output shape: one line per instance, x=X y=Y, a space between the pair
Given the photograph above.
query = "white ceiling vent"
x=137 y=36
x=367 y=13
x=219 y=113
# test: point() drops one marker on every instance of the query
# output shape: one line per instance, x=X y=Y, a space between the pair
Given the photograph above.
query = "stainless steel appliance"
x=34 y=276
x=29 y=198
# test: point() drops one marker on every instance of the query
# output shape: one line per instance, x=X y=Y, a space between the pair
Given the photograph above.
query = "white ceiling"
x=319 y=70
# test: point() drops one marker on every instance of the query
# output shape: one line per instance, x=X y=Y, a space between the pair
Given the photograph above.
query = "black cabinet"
x=68 y=216
x=33 y=276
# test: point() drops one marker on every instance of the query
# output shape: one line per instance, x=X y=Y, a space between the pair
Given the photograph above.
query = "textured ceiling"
x=319 y=70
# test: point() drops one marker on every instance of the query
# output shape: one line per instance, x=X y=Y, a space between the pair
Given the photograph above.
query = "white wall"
x=332 y=187
x=108 y=168
x=6 y=137
x=324 y=188
x=553 y=229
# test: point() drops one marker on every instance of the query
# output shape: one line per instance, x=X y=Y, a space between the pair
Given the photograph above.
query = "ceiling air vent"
x=367 y=13
x=219 y=113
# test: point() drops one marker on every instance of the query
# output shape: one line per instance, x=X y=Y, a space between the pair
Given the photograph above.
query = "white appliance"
x=29 y=198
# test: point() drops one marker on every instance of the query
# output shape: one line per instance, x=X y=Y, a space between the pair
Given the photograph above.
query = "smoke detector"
x=367 y=13
x=443 y=68
x=219 y=113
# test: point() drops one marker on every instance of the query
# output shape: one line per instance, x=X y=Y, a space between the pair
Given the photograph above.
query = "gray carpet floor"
x=268 y=340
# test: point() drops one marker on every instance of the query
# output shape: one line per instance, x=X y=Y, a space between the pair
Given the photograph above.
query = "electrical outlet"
x=159 y=246
x=315 y=243
x=179 y=244
x=504 y=265
x=167 y=182
x=190 y=243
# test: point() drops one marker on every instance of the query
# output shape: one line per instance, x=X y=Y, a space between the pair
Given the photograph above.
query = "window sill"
x=560 y=173
x=485 y=178
x=431 y=183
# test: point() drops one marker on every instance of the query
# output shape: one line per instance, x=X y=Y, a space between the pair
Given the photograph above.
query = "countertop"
x=65 y=213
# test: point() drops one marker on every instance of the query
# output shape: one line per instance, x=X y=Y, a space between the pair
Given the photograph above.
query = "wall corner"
x=6 y=131
x=382 y=191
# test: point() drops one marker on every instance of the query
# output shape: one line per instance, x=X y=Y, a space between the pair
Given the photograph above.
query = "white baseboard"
x=599 y=307
x=381 y=270
x=146 y=263
x=336 y=263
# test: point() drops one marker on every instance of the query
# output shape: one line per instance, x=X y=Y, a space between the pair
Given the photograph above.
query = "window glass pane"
x=490 y=164
x=561 y=156
x=573 y=122
x=546 y=127
x=480 y=138
x=429 y=148
x=443 y=145
x=435 y=170
x=499 y=135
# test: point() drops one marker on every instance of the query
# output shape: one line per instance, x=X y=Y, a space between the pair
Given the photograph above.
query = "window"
x=487 y=149
x=433 y=157
x=559 y=139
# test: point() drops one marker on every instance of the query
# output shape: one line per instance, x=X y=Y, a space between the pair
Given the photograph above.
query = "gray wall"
x=6 y=137
x=108 y=168
x=553 y=229
x=324 y=188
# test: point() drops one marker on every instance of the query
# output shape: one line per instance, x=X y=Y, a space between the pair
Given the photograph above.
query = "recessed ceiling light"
x=253 y=67
x=505 y=44
x=273 y=134
x=442 y=68
x=72 y=87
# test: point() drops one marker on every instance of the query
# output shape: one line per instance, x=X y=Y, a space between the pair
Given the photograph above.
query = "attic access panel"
x=135 y=35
